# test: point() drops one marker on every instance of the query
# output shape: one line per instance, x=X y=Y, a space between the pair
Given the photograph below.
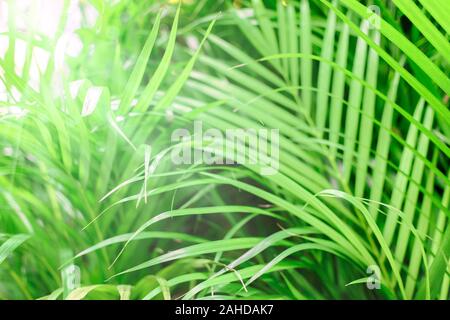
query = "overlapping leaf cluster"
x=86 y=176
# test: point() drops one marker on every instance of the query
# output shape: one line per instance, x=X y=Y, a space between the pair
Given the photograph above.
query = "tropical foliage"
x=360 y=99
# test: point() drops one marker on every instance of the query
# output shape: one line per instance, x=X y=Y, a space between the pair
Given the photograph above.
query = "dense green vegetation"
x=88 y=188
